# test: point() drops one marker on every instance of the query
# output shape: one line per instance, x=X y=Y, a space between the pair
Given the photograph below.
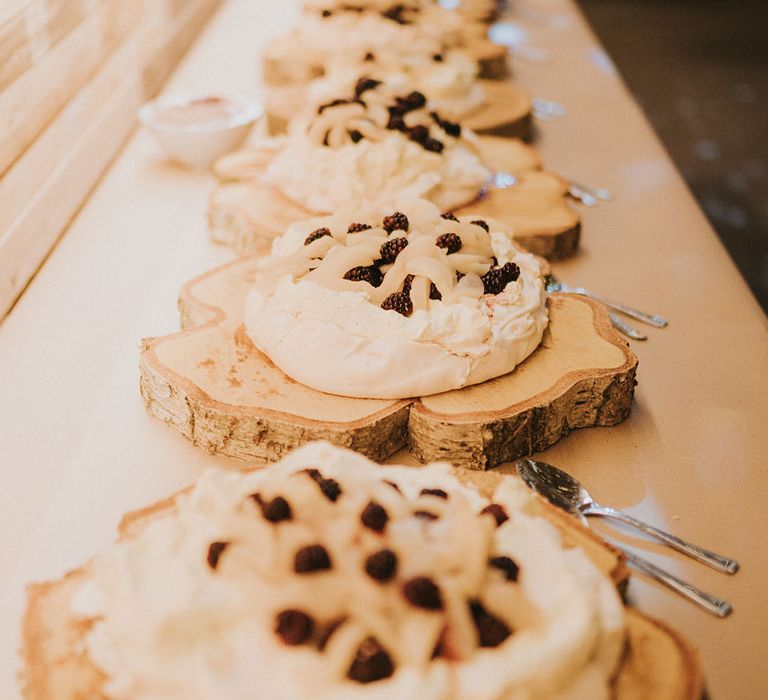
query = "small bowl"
x=196 y=131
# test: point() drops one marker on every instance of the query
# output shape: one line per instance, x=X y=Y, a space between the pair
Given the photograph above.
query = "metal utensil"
x=547 y=110
x=600 y=193
x=568 y=493
x=625 y=328
x=555 y=285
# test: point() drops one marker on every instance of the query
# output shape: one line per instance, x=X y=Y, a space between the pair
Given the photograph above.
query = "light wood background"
x=72 y=73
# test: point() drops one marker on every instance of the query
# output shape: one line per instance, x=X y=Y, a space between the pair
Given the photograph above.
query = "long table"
x=77 y=448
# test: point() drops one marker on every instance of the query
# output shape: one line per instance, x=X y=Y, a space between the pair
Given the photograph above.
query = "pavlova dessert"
x=390 y=304
x=328 y=576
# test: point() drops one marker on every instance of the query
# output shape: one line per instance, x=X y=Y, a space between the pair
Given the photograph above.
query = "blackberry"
x=407 y=283
x=371 y=663
x=434 y=292
x=413 y=100
x=311 y=558
x=395 y=222
x=356 y=228
x=450 y=242
x=382 y=565
x=438 y=57
x=400 y=302
x=294 y=626
x=312 y=473
x=419 y=134
x=497 y=511
x=215 y=550
x=276 y=510
x=434 y=492
x=370 y=274
x=497 y=278
x=450 y=128
x=326 y=13
x=448 y=216
x=396 y=122
x=433 y=145
x=481 y=224
x=507 y=565
x=317 y=233
x=374 y=517
x=421 y=592
x=392 y=248
x=365 y=84
x=330 y=488
x=395 y=13
x=355 y=136
x=491 y=630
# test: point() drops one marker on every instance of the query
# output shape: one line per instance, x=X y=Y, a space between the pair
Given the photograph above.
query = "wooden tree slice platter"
x=508 y=155
x=537 y=211
x=506 y=112
x=211 y=383
x=245 y=213
x=492 y=58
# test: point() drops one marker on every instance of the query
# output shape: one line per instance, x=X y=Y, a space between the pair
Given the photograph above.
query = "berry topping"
x=311 y=558
x=382 y=565
x=356 y=228
x=215 y=550
x=371 y=663
x=395 y=222
x=434 y=292
x=450 y=241
x=497 y=278
x=448 y=216
x=395 y=13
x=481 y=224
x=438 y=58
x=369 y=57
x=407 y=284
x=507 y=565
x=400 y=302
x=374 y=517
x=293 y=626
x=434 y=492
x=317 y=233
x=424 y=515
x=326 y=13
x=339 y=101
x=312 y=473
x=396 y=122
x=370 y=274
x=330 y=488
x=325 y=634
x=355 y=136
x=491 y=630
x=365 y=84
x=433 y=145
x=392 y=248
x=497 y=511
x=276 y=510
x=421 y=592
x=413 y=100
x=419 y=134
x=450 y=128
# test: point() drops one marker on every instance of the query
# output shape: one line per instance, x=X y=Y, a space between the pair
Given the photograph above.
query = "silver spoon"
x=566 y=492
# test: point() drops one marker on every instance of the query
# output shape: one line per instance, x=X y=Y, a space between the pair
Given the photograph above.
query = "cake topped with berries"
x=390 y=304
x=374 y=144
x=328 y=576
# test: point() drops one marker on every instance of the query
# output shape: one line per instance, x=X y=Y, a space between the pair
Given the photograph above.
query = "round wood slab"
x=211 y=383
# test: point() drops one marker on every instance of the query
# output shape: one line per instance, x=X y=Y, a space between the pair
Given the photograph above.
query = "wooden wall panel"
x=72 y=74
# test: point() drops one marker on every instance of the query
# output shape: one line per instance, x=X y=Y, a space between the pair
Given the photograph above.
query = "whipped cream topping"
x=404 y=305
x=327 y=576
x=374 y=145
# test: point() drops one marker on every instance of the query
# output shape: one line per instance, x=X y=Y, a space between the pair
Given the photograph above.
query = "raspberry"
x=370 y=274
x=421 y=592
x=400 y=302
x=317 y=233
x=434 y=292
x=365 y=84
x=312 y=558
x=276 y=510
x=371 y=663
x=293 y=626
x=448 y=216
x=392 y=248
x=434 y=492
x=325 y=634
x=395 y=222
x=374 y=517
x=356 y=228
x=382 y=565
x=450 y=241
x=497 y=511
x=355 y=135
x=330 y=488
x=481 y=224
x=215 y=550
x=507 y=565
x=491 y=630
x=433 y=145
x=497 y=278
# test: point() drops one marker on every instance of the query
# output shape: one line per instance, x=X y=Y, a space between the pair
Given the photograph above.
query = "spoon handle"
x=716 y=561
x=650 y=319
x=716 y=606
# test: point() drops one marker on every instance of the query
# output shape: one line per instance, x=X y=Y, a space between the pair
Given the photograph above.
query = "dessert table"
x=77 y=448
